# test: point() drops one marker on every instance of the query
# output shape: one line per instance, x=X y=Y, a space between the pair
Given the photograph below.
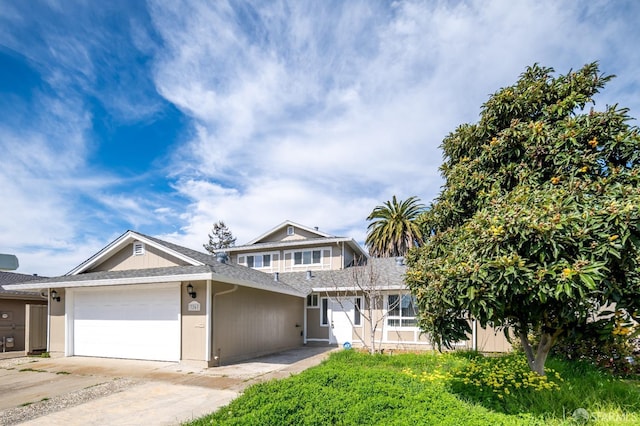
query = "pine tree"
x=219 y=238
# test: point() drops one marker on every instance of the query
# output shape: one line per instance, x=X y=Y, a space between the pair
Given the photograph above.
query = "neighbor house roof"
x=381 y=273
x=201 y=267
x=8 y=278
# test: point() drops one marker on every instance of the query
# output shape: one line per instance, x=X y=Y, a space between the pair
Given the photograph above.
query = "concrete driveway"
x=103 y=391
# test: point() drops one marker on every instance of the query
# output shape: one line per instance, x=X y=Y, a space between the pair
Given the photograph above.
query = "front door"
x=341 y=317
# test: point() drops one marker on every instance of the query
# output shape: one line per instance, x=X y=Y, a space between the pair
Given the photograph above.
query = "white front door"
x=133 y=321
x=341 y=317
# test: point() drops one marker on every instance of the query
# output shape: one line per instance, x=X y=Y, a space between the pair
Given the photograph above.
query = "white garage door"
x=135 y=322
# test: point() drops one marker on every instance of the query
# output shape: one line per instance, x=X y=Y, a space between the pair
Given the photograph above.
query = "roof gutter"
x=150 y=280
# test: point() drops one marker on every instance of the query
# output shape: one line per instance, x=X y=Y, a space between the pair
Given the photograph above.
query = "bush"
x=613 y=348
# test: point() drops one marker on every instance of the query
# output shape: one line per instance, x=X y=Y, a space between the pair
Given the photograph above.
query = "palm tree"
x=394 y=229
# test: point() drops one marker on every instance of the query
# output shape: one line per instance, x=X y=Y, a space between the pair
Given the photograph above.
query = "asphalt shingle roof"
x=219 y=271
x=386 y=272
x=14 y=278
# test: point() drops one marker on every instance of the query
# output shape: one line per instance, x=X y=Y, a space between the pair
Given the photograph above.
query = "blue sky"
x=166 y=116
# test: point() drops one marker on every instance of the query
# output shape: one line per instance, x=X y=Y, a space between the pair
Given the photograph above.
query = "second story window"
x=259 y=261
x=310 y=257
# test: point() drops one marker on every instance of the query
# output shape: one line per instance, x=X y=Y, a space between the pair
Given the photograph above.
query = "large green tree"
x=393 y=229
x=537 y=228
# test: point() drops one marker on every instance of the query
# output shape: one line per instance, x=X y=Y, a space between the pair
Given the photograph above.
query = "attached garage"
x=132 y=321
x=148 y=299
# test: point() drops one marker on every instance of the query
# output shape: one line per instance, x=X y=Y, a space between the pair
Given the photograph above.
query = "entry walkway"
x=158 y=393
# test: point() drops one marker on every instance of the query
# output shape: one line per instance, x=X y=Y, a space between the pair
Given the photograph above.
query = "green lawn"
x=352 y=388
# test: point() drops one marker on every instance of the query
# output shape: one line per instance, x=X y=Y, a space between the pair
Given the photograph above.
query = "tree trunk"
x=372 y=329
x=537 y=361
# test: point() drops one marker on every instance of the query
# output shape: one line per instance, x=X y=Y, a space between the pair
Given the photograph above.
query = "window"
x=138 y=248
x=312 y=300
x=324 y=312
x=401 y=310
x=290 y=230
x=309 y=257
x=357 y=315
x=259 y=261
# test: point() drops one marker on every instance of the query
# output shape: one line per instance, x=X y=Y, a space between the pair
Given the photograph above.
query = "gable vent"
x=138 y=248
x=290 y=230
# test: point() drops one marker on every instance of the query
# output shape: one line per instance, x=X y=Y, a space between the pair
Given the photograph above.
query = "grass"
x=352 y=388
x=32 y=370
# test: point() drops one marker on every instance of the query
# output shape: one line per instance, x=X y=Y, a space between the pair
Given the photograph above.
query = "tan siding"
x=250 y=322
x=125 y=260
x=35 y=328
x=314 y=330
x=15 y=325
x=194 y=337
x=57 y=329
x=491 y=341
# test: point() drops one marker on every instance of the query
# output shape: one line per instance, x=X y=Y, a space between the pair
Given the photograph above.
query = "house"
x=348 y=293
x=23 y=315
x=291 y=247
x=144 y=298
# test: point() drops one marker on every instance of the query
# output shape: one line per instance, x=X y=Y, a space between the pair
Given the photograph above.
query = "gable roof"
x=282 y=226
x=201 y=267
x=322 y=238
x=190 y=256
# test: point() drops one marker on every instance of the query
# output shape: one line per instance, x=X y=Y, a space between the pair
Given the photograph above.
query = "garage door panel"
x=137 y=323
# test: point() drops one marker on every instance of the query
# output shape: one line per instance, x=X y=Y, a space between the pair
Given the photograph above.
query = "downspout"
x=208 y=329
x=49 y=320
x=222 y=293
x=474 y=335
x=304 y=340
x=343 y=256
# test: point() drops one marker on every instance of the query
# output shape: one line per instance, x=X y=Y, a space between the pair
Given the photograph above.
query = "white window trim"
x=307 y=265
x=317 y=305
x=356 y=309
x=291 y=230
x=398 y=317
x=272 y=267
x=322 y=311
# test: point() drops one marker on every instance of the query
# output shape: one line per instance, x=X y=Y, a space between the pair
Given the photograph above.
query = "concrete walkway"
x=160 y=393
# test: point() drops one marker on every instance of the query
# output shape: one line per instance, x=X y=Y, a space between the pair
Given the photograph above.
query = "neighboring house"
x=23 y=316
x=144 y=298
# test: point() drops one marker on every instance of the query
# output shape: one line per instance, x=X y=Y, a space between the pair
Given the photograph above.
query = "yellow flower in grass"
x=555 y=180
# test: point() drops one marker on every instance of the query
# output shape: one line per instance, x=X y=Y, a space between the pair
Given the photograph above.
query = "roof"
x=13 y=278
x=202 y=267
x=183 y=253
x=285 y=224
x=381 y=273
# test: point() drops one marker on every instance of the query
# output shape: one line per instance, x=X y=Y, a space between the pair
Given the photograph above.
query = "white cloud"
x=318 y=112
x=310 y=111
